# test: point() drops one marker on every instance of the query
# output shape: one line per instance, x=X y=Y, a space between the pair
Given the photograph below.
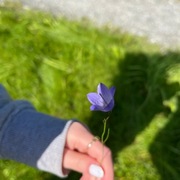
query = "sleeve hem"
x=52 y=158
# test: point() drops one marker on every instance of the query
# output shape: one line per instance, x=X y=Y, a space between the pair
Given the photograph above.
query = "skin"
x=78 y=157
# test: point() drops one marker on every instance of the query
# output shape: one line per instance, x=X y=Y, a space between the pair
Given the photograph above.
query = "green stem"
x=103 y=138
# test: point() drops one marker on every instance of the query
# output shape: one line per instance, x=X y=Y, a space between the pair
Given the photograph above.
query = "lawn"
x=54 y=62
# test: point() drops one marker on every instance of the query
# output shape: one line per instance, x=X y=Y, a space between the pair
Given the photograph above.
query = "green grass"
x=54 y=63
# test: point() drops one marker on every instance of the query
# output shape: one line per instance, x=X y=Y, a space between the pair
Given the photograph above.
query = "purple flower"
x=103 y=100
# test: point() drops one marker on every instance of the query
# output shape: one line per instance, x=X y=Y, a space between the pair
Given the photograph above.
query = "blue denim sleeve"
x=30 y=137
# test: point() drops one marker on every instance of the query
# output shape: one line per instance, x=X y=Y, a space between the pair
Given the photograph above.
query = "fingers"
x=78 y=139
x=78 y=162
x=103 y=155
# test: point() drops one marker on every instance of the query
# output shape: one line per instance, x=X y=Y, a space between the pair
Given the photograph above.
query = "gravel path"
x=159 y=20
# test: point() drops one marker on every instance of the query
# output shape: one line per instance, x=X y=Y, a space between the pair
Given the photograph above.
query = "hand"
x=79 y=157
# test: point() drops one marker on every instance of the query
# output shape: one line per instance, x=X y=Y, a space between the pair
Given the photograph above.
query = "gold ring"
x=95 y=138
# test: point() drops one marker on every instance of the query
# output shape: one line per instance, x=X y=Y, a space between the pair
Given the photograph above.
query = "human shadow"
x=141 y=88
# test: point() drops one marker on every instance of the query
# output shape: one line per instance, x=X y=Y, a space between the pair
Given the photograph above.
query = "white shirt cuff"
x=52 y=158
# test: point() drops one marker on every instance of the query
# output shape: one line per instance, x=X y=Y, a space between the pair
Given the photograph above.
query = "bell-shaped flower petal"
x=103 y=100
x=104 y=92
x=109 y=107
x=95 y=99
x=112 y=90
x=96 y=108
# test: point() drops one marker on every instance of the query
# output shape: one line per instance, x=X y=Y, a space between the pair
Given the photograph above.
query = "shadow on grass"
x=165 y=148
x=141 y=88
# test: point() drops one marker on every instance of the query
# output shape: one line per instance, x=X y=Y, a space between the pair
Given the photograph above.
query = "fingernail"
x=96 y=171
